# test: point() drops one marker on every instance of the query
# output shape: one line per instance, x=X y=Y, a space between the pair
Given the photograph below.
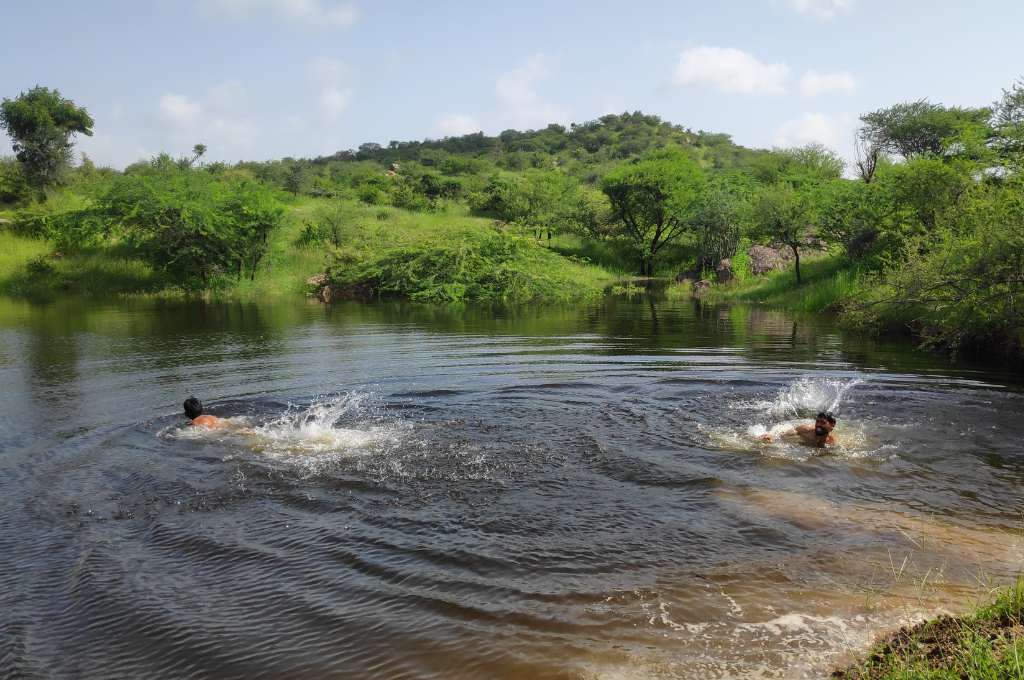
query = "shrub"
x=328 y=225
x=14 y=187
x=194 y=226
x=470 y=265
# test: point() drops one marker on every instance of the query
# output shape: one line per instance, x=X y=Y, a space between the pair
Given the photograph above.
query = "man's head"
x=193 y=408
x=824 y=423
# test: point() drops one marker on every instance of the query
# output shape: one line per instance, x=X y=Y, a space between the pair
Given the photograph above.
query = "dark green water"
x=419 y=492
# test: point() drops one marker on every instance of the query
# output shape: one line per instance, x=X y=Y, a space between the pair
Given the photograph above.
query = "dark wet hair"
x=827 y=415
x=193 y=408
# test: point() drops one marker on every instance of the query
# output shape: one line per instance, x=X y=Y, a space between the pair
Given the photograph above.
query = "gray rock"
x=317 y=282
x=701 y=287
x=724 y=271
x=764 y=259
x=330 y=293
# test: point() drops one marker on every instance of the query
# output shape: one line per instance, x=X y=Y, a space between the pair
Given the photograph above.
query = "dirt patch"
x=940 y=644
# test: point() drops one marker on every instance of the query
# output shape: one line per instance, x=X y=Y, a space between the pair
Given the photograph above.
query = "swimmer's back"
x=208 y=421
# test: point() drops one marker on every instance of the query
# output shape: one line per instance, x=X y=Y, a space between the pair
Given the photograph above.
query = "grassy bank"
x=441 y=256
x=827 y=281
x=454 y=257
x=987 y=644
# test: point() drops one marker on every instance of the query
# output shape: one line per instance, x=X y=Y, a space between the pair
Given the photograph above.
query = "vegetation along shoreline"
x=922 y=234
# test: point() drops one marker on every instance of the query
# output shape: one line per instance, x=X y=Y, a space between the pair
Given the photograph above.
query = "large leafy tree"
x=41 y=124
x=921 y=128
x=652 y=200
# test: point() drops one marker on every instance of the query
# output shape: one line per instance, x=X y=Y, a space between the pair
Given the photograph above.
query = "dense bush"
x=474 y=265
x=963 y=285
x=14 y=187
x=195 y=226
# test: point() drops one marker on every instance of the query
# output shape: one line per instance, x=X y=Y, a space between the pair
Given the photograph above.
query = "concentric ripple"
x=414 y=492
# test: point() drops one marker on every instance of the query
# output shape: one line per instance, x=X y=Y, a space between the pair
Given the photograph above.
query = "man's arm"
x=767 y=437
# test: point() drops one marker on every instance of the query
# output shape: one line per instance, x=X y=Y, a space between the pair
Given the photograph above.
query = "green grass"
x=679 y=290
x=453 y=257
x=987 y=644
x=15 y=253
x=382 y=237
x=827 y=281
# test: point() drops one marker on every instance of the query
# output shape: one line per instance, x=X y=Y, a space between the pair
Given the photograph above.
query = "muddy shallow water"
x=417 y=492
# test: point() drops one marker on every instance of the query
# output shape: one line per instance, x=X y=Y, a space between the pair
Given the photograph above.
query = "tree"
x=295 y=179
x=813 y=162
x=1008 y=123
x=197 y=227
x=197 y=152
x=801 y=164
x=921 y=128
x=923 y=189
x=855 y=214
x=41 y=124
x=718 y=219
x=867 y=158
x=652 y=199
x=784 y=214
x=14 y=189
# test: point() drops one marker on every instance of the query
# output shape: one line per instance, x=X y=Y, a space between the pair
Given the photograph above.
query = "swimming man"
x=818 y=435
x=194 y=410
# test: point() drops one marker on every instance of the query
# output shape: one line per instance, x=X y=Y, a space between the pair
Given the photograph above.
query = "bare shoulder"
x=208 y=421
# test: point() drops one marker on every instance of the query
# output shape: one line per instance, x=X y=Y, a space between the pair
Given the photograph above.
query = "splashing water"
x=332 y=426
x=793 y=405
x=805 y=397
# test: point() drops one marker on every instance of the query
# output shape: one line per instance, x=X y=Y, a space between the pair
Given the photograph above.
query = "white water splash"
x=793 y=405
x=805 y=397
x=332 y=426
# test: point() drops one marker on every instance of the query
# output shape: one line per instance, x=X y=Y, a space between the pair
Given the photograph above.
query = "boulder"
x=315 y=283
x=764 y=259
x=330 y=293
x=700 y=287
x=724 y=271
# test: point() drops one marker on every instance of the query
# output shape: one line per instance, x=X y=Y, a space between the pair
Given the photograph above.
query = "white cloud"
x=179 y=111
x=522 y=105
x=332 y=78
x=328 y=71
x=814 y=82
x=333 y=101
x=835 y=132
x=114 y=150
x=218 y=119
x=317 y=13
x=823 y=10
x=728 y=69
x=457 y=124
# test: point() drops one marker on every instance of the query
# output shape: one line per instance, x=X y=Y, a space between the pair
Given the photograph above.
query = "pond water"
x=421 y=492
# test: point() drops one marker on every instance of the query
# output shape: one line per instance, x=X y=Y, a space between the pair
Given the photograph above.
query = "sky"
x=262 y=79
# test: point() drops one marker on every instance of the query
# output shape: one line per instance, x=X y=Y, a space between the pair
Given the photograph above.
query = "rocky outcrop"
x=764 y=259
x=321 y=287
x=724 y=271
x=700 y=287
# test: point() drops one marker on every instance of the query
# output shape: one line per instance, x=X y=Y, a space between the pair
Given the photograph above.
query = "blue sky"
x=257 y=79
